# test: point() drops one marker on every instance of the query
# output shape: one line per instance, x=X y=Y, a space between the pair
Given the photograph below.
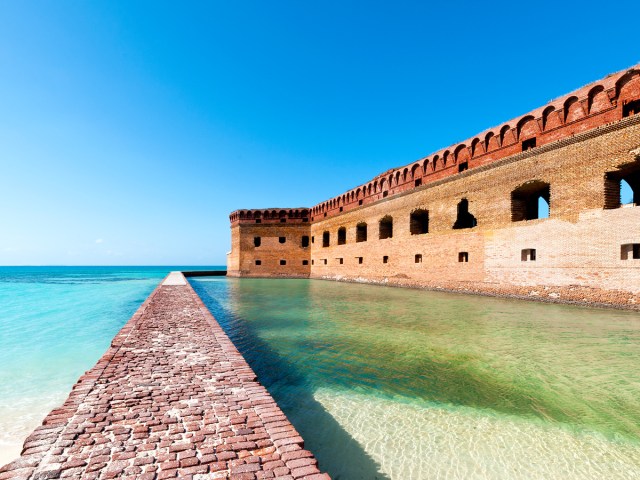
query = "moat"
x=393 y=383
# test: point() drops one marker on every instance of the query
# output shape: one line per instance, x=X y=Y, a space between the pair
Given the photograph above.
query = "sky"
x=129 y=130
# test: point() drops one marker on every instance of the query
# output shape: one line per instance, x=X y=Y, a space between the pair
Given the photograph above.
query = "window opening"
x=385 y=259
x=360 y=260
x=305 y=262
x=305 y=241
x=463 y=166
x=463 y=257
x=418 y=182
x=419 y=222
x=530 y=201
x=385 y=194
x=528 y=144
x=283 y=220
x=464 y=219
x=339 y=260
x=325 y=239
x=622 y=187
x=257 y=241
x=258 y=262
x=361 y=232
x=528 y=255
x=342 y=236
x=418 y=258
x=386 y=227
x=258 y=220
x=359 y=202
x=630 y=251
x=282 y=239
x=325 y=261
x=630 y=108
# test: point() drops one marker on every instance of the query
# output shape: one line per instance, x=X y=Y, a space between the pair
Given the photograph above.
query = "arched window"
x=361 y=232
x=342 y=236
x=386 y=227
x=530 y=201
x=622 y=187
x=325 y=239
x=419 y=222
x=464 y=218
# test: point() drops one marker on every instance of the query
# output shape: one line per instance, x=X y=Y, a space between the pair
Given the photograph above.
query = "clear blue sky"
x=129 y=130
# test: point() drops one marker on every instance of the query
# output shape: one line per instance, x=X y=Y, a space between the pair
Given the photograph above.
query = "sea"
x=55 y=323
x=382 y=382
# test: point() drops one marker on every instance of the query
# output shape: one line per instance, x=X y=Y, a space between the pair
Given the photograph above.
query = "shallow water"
x=394 y=383
x=55 y=323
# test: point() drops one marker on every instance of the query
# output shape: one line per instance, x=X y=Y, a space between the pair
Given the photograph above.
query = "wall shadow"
x=338 y=454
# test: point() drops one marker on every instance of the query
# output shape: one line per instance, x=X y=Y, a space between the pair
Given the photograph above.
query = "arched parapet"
x=425 y=166
x=476 y=147
x=461 y=154
x=415 y=171
x=270 y=216
x=446 y=158
x=506 y=136
x=597 y=100
x=572 y=110
x=628 y=86
x=628 y=92
x=550 y=118
x=436 y=163
x=491 y=142
x=527 y=128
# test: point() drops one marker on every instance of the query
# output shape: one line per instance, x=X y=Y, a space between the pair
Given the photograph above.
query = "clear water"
x=405 y=384
x=55 y=323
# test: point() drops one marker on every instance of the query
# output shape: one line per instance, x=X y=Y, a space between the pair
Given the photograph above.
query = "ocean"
x=55 y=323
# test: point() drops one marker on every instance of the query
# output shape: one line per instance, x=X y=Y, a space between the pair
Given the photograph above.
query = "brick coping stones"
x=172 y=397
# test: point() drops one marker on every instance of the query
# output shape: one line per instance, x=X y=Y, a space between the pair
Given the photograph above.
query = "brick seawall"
x=172 y=397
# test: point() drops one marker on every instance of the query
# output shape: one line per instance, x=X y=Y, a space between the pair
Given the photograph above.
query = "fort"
x=531 y=208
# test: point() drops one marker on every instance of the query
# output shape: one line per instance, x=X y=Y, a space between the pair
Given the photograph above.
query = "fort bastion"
x=527 y=207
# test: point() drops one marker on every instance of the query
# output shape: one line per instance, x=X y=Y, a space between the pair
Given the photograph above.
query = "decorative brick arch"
x=506 y=136
x=461 y=153
x=446 y=158
x=550 y=118
x=527 y=128
x=628 y=86
x=572 y=109
x=490 y=142
x=476 y=147
x=598 y=100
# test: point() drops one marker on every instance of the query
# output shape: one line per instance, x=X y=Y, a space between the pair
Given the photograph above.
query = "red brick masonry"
x=171 y=397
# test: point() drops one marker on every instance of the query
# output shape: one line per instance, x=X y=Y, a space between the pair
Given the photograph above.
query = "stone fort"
x=531 y=208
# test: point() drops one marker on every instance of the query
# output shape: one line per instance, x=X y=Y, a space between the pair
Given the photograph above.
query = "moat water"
x=392 y=383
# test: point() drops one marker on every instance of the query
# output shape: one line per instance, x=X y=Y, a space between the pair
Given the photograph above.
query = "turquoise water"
x=56 y=322
x=394 y=383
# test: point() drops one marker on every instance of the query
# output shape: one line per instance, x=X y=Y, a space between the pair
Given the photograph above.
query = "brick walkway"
x=172 y=397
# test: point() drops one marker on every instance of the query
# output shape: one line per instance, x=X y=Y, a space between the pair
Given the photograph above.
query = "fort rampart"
x=532 y=207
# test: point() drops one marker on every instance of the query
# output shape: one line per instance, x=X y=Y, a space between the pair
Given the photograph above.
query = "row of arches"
x=621 y=92
x=270 y=214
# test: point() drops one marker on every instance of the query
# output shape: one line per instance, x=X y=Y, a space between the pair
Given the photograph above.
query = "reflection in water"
x=438 y=385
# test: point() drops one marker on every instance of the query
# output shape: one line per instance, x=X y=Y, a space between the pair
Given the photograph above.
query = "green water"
x=393 y=383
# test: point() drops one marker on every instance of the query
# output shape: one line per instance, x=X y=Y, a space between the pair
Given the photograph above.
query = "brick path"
x=172 y=397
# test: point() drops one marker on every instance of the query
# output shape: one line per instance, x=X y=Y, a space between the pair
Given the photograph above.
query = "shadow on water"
x=337 y=452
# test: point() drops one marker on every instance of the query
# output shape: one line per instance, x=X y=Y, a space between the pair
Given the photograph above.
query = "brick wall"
x=583 y=149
